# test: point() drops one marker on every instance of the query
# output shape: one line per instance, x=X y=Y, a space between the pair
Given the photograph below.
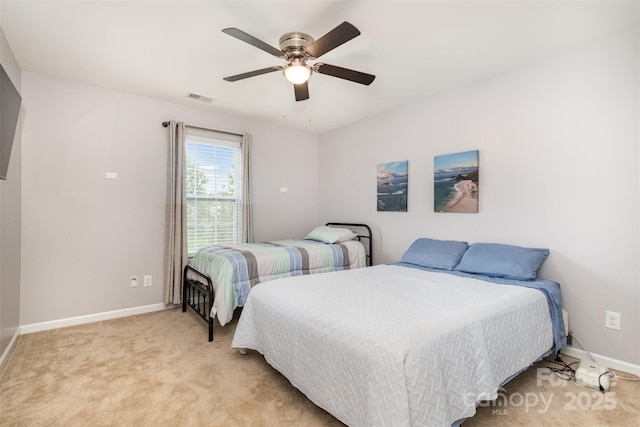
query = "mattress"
x=234 y=270
x=396 y=346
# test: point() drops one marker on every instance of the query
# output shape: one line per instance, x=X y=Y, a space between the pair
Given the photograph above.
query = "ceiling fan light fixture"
x=296 y=49
x=297 y=71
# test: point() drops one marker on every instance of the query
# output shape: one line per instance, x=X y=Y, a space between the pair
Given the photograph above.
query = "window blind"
x=213 y=181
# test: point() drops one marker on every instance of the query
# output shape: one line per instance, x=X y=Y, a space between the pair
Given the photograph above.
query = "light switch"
x=111 y=175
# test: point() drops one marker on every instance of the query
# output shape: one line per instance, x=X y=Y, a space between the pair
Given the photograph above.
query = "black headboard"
x=363 y=231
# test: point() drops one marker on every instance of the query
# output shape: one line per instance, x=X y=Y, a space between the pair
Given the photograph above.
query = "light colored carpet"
x=158 y=369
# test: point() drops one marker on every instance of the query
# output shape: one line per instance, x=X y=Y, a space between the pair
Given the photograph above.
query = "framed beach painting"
x=392 y=180
x=455 y=182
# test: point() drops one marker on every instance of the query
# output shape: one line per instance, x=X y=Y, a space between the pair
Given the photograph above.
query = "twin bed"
x=419 y=342
x=219 y=278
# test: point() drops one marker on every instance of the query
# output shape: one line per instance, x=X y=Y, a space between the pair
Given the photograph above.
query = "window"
x=213 y=184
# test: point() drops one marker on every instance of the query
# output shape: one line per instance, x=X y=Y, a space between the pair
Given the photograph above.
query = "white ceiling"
x=165 y=49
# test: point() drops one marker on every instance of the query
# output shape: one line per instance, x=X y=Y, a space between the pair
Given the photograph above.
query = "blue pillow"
x=496 y=260
x=440 y=254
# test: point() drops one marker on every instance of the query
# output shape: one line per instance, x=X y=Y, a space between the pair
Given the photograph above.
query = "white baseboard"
x=9 y=349
x=609 y=362
x=90 y=318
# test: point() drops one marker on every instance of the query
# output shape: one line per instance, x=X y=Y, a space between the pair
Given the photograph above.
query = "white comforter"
x=395 y=346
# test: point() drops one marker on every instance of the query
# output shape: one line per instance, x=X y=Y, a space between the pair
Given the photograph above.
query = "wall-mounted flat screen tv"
x=10 y=101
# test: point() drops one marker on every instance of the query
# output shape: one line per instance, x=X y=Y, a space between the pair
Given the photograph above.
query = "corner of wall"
x=10 y=223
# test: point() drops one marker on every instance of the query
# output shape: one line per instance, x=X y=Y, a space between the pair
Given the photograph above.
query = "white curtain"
x=247 y=216
x=175 y=248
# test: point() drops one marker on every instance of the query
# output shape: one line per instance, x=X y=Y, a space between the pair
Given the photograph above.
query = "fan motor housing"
x=294 y=44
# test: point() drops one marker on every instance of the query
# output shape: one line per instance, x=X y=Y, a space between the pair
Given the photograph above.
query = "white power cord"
x=582 y=345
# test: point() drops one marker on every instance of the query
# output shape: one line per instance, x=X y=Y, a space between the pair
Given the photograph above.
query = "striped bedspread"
x=235 y=270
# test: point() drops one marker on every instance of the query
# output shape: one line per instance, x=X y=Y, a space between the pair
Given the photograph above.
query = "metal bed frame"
x=197 y=287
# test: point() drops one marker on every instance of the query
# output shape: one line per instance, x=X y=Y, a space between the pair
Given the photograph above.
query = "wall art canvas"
x=455 y=182
x=392 y=183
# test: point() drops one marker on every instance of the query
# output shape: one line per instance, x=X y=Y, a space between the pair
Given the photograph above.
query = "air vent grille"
x=198 y=97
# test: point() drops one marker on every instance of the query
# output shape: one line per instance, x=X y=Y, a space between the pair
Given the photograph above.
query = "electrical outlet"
x=147 y=280
x=133 y=281
x=612 y=320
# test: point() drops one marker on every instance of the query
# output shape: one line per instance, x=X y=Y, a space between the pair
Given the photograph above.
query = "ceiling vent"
x=197 y=97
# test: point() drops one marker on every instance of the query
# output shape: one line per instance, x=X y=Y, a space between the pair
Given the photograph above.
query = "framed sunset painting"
x=455 y=182
x=392 y=183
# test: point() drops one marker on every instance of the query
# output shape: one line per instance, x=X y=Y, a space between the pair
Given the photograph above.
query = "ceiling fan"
x=298 y=48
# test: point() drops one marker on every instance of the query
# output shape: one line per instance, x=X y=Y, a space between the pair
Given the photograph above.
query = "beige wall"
x=83 y=236
x=559 y=166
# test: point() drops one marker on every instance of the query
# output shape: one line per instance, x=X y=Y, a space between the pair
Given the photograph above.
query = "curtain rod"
x=165 y=124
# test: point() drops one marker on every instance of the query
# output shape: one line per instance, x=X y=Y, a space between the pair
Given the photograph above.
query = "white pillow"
x=327 y=234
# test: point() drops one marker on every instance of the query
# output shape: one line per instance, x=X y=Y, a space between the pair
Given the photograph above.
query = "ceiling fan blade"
x=345 y=73
x=334 y=38
x=302 y=91
x=248 y=38
x=252 y=74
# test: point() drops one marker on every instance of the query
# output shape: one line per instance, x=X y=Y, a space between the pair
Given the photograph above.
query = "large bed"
x=218 y=279
x=404 y=344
